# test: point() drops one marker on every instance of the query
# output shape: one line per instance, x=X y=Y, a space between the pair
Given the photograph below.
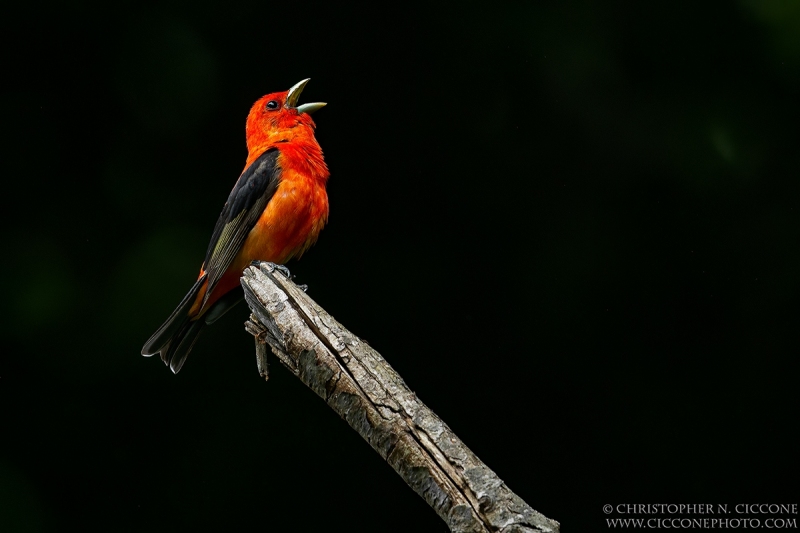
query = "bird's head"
x=276 y=117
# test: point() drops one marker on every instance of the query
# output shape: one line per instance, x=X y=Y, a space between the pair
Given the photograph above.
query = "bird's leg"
x=283 y=270
x=272 y=267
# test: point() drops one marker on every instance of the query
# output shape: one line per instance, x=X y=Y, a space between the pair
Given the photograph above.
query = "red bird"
x=274 y=213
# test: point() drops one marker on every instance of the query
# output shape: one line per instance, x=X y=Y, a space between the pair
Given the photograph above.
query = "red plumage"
x=274 y=213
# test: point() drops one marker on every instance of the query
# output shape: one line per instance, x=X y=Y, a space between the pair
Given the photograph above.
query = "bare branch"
x=362 y=388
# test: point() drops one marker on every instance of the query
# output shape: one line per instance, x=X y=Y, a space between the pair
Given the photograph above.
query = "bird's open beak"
x=294 y=95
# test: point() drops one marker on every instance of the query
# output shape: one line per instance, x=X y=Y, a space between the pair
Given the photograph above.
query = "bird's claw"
x=272 y=267
x=283 y=270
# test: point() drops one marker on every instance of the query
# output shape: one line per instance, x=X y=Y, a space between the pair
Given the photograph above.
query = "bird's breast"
x=290 y=223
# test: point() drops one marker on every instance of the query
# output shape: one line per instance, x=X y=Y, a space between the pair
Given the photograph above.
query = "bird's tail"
x=177 y=335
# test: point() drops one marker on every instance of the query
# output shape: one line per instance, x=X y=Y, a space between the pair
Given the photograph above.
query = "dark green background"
x=572 y=227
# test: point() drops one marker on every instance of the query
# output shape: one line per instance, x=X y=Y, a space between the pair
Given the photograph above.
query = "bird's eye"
x=272 y=104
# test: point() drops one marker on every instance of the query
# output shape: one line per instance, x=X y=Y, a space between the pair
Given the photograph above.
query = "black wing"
x=160 y=340
x=247 y=201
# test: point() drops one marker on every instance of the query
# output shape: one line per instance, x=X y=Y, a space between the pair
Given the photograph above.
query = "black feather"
x=224 y=304
x=176 y=320
x=180 y=346
x=244 y=207
x=247 y=201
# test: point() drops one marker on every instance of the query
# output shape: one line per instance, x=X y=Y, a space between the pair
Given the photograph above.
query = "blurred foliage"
x=625 y=174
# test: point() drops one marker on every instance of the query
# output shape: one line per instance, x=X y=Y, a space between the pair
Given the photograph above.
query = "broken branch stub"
x=357 y=383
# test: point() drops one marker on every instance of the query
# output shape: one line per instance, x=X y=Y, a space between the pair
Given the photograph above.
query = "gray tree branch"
x=362 y=388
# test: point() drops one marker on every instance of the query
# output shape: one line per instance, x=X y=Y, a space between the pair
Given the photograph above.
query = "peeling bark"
x=357 y=383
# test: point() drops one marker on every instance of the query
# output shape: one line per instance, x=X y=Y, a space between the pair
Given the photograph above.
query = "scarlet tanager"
x=274 y=213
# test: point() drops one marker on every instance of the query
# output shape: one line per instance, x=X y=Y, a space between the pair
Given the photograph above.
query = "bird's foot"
x=272 y=267
x=283 y=270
